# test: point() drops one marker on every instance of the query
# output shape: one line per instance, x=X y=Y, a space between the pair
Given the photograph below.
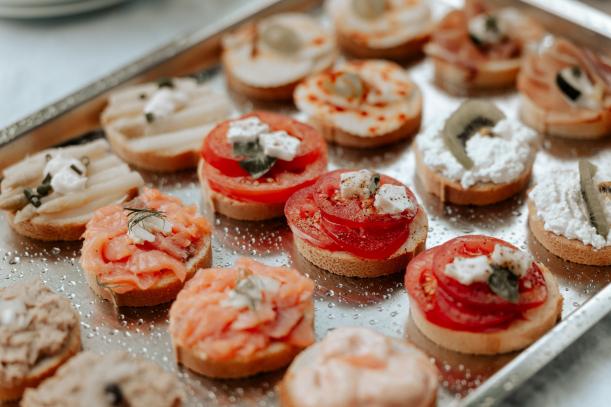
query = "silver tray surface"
x=382 y=303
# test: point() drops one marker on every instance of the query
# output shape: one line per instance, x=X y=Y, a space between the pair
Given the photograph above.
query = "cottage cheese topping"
x=560 y=205
x=499 y=159
x=358 y=367
x=254 y=62
x=392 y=199
x=144 y=230
x=277 y=144
x=469 y=270
x=68 y=174
x=94 y=381
x=355 y=184
x=246 y=130
x=401 y=21
x=35 y=323
x=166 y=101
x=250 y=290
x=391 y=98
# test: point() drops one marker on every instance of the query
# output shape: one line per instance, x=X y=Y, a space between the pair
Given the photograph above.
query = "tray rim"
x=528 y=361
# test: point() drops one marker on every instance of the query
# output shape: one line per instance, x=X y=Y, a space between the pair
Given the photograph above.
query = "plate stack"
x=50 y=8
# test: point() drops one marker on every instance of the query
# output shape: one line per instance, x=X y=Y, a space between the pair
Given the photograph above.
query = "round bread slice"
x=266 y=94
x=164 y=291
x=274 y=357
x=568 y=249
x=232 y=208
x=45 y=368
x=540 y=120
x=347 y=264
x=479 y=194
x=521 y=333
x=461 y=81
x=405 y=51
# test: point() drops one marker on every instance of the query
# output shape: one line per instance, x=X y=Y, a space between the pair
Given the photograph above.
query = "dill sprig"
x=138 y=215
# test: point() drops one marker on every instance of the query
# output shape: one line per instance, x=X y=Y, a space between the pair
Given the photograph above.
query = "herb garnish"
x=138 y=215
x=504 y=283
x=150 y=117
x=44 y=189
x=165 y=83
x=256 y=162
x=76 y=169
x=374 y=184
x=142 y=96
x=114 y=395
x=85 y=160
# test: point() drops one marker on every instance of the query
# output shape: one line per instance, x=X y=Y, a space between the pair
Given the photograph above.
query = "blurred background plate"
x=50 y=8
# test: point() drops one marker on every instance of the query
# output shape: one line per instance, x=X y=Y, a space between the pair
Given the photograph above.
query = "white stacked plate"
x=50 y=8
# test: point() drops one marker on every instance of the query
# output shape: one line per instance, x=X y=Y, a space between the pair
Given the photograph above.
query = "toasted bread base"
x=54 y=232
x=461 y=81
x=537 y=118
x=568 y=249
x=165 y=291
x=347 y=264
x=232 y=208
x=287 y=399
x=520 y=334
x=410 y=49
x=274 y=357
x=45 y=368
x=151 y=160
x=479 y=194
x=332 y=134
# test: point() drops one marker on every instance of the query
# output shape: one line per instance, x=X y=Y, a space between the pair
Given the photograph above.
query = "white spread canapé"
x=401 y=21
x=166 y=101
x=392 y=199
x=277 y=144
x=499 y=159
x=388 y=199
x=469 y=270
x=391 y=98
x=359 y=367
x=67 y=173
x=253 y=61
x=560 y=205
x=143 y=231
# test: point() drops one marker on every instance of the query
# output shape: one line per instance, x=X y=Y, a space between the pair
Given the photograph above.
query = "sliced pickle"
x=472 y=116
x=592 y=198
x=347 y=85
x=369 y=9
x=282 y=39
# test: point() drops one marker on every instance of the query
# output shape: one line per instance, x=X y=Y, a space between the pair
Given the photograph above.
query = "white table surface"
x=41 y=61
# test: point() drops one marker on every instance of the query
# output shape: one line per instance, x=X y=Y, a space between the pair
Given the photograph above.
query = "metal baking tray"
x=381 y=303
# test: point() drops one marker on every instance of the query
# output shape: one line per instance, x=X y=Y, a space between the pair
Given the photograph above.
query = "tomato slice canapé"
x=217 y=151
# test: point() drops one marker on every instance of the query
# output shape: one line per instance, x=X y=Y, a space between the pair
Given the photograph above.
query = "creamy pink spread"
x=359 y=367
x=35 y=324
x=114 y=379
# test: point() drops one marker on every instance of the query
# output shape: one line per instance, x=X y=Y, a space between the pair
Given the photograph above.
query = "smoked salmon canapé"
x=362 y=104
x=389 y=29
x=51 y=195
x=357 y=223
x=160 y=126
x=566 y=90
x=477 y=48
x=480 y=295
x=142 y=252
x=266 y=59
x=252 y=164
x=358 y=367
x=239 y=321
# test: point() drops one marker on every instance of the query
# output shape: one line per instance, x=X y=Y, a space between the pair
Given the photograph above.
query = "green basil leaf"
x=504 y=283
x=374 y=184
x=257 y=165
x=247 y=148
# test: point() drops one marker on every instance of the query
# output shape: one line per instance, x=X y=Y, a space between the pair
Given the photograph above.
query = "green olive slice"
x=369 y=9
x=281 y=38
x=471 y=117
x=592 y=198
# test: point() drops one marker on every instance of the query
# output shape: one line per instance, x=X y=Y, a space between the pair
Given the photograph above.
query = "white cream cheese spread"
x=560 y=205
x=497 y=159
x=67 y=174
x=166 y=101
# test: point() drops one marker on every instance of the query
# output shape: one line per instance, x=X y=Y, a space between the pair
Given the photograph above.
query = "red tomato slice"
x=356 y=212
x=303 y=217
x=424 y=290
x=532 y=288
x=277 y=187
x=218 y=152
x=369 y=243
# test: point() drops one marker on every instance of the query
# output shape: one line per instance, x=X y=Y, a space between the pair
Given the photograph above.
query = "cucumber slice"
x=592 y=198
